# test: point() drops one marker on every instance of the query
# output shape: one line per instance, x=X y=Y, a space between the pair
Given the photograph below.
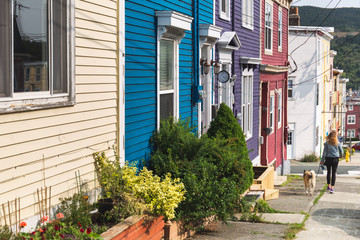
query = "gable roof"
x=229 y=40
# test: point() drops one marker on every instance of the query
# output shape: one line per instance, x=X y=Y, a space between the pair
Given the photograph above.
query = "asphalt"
x=334 y=216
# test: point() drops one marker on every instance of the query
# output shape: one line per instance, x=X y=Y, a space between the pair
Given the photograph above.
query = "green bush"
x=309 y=158
x=213 y=170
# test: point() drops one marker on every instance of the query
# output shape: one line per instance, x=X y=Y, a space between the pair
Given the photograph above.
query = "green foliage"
x=262 y=206
x=309 y=158
x=6 y=233
x=346 y=22
x=134 y=192
x=76 y=209
x=212 y=170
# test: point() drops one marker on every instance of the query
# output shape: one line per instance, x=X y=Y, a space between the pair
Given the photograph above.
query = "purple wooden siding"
x=250 y=47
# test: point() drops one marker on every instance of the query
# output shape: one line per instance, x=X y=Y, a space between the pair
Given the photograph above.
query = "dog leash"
x=320 y=166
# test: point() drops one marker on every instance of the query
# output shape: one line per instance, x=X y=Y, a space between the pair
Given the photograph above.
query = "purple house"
x=238 y=52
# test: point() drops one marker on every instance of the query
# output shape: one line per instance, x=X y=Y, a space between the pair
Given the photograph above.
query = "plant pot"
x=105 y=205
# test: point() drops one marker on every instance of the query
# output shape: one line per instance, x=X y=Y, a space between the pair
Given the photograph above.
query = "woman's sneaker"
x=327 y=188
x=332 y=190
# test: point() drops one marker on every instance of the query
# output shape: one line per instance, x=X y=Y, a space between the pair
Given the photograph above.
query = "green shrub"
x=309 y=158
x=212 y=169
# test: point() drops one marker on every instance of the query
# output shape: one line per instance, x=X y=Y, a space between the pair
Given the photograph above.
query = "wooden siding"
x=140 y=73
x=278 y=58
x=46 y=147
x=250 y=47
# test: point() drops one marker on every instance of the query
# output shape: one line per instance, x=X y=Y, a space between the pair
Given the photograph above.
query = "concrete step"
x=271 y=194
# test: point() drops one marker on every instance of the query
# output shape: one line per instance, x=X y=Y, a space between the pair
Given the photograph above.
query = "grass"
x=295 y=228
x=291 y=178
x=316 y=200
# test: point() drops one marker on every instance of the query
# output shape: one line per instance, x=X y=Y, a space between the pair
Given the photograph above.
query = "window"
x=248 y=14
x=351 y=107
x=247 y=102
x=280 y=29
x=171 y=29
x=351 y=119
x=290 y=87
x=37 y=38
x=279 y=108
x=290 y=138
x=351 y=133
x=268 y=27
x=317 y=94
x=224 y=8
x=167 y=78
x=271 y=112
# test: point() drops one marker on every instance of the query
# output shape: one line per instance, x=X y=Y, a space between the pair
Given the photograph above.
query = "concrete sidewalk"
x=335 y=216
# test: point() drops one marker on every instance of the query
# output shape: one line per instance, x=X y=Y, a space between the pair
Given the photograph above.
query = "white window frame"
x=224 y=15
x=272 y=111
x=26 y=101
x=279 y=108
x=248 y=14
x=269 y=6
x=247 y=82
x=291 y=87
x=280 y=31
x=351 y=119
x=175 y=90
x=171 y=26
x=319 y=51
x=351 y=107
x=351 y=133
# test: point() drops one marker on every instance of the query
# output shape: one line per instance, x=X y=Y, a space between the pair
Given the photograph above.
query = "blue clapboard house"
x=168 y=67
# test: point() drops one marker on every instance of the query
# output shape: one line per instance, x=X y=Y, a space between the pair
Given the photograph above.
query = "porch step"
x=278 y=180
x=255 y=187
x=271 y=194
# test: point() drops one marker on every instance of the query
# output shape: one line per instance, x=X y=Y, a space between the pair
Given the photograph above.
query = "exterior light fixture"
x=205 y=65
x=216 y=66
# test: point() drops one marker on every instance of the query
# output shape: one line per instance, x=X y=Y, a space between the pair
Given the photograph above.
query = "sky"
x=327 y=3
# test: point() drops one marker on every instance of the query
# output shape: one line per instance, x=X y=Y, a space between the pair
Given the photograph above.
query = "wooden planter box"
x=264 y=181
x=136 y=227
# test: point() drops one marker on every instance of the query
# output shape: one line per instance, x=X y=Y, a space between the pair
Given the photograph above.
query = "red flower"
x=60 y=215
x=23 y=224
x=88 y=230
x=82 y=230
x=79 y=224
x=44 y=219
x=56 y=227
x=62 y=236
x=33 y=233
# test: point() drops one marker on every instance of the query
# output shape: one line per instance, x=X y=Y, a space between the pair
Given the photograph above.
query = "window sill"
x=14 y=105
x=268 y=52
x=223 y=16
x=249 y=27
x=279 y=49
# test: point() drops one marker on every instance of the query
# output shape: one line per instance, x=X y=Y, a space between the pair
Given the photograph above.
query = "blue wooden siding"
x=140 y=69
x=250 y=47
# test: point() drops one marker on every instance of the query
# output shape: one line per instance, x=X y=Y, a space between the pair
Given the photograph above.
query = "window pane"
x=30 y=38
x=223 y=6
x=166 y=105
x=60 y=80
x=4 y=47
x=166 y=65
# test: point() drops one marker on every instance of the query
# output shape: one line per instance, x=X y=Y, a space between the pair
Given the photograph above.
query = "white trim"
x=280 y=30
x=272 y=112
x=26 y=101
x=269 y=51
x=351 y=119
x=224 y=15
x=247 y=81
x=351 y=107
x=121 y=80
x=248 y=14
x=279 y=107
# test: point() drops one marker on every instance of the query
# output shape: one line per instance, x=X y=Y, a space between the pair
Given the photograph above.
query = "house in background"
x=238 y=52
x=309 y=104
x=273 y=78
x=342 y=106
x=55 y=112
x=352 y=127
x=163 y=72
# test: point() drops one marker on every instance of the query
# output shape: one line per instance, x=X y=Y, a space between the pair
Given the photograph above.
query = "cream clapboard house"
x=49 y=131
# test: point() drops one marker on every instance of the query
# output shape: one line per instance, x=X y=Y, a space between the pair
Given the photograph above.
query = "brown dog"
x=309 y=181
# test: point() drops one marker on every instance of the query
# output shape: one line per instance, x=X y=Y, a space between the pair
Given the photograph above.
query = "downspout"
x=195 y=35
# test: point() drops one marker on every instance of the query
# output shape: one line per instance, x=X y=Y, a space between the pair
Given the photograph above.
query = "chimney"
x=294 y=17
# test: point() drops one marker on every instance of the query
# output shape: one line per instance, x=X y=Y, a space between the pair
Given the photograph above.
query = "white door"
x=290 y=145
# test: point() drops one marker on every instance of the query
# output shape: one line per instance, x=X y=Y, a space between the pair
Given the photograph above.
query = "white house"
x=308 y=94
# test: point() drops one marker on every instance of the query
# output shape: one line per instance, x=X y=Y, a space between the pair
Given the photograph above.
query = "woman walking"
x=330 y=157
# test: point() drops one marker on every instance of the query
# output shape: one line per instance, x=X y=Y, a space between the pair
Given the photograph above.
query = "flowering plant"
x=58 y=230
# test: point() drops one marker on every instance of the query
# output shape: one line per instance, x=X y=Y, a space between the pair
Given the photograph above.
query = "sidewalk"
x=335 y=216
